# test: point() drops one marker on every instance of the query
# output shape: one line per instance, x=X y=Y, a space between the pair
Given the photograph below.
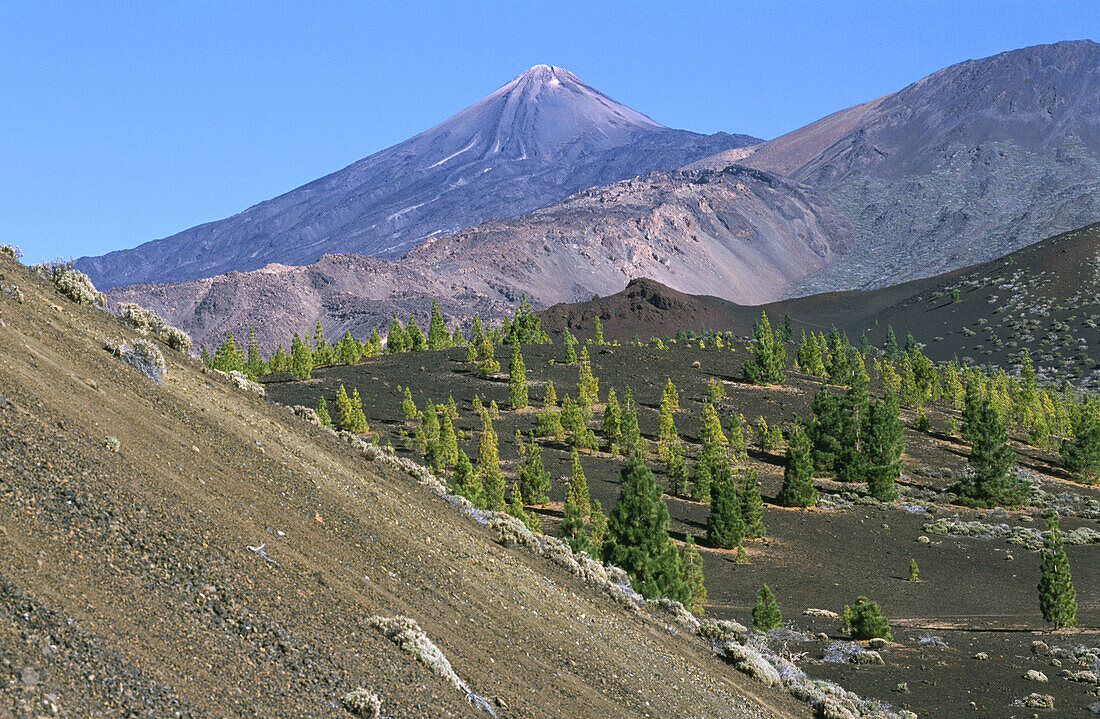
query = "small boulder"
x=1035 y=676
x=1040 y=647
x=1039 y=701
x=867 y=656
x=877 y=643
x=981 y=657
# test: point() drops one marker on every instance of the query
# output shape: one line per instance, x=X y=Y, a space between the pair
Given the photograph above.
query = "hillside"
x=223 y=559
x=965 y=165
x=536 y=139
x=1044 y=298
x=747 y=232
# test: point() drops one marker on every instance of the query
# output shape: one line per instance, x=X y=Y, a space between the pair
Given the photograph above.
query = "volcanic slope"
x=224 y=561
x=968 y=164
x=747 y=232
x=541 y=136
x=1044 y=298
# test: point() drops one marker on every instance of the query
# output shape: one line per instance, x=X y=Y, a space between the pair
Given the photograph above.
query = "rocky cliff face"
x=533 y=141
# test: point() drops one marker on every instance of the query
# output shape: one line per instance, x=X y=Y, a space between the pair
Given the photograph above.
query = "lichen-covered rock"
x=981 y=657
x=877 y=643
x=1035 y=676
x=362 y=703
x=866 y=657
x=750 y=662
x=1039 y=701
x=143 y=355
x=1040 y=647
x=812 y=612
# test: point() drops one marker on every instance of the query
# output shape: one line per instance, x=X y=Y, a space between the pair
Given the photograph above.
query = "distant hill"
x=749 y=232
x=1044 y=298
x=540 y=137
x=966 y=165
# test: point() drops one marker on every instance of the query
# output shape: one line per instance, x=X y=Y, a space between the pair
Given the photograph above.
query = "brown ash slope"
x=539 y=137
x=747 y=232
x=968 y=164
x=1044 y=298
x=127 y=586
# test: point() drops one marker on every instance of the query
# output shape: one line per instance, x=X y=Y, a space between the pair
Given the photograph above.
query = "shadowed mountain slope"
x=538 y=138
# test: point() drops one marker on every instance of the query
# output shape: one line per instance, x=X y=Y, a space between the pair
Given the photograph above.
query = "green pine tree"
x=883 y=445
x=766 y=614
x=768 y=355
x=204 y=355
x=1057 y=597
x=534 y=480
x=322 y=412
x=416 y=337
x=914 y=571
x=448 y=442
x=323 y=353
x=1081 y=455
x=990 y=481
x=488 y=466
x=891 y=349
x=637 y=536
x=396 y=339
x=344 y=417
x=517 y=379
x=572 y=527
x=597 y=327
x=701 y=481
x=632 y=440
x=752 y=514
x=255 y=364
x=676 y=469
x=438 y=338
x=597 y=527
x=692 y=563
x=466 y=482
x=301 y=358
x=725 y=527
x=569 y=340
x=612 y=421
x=227 y=357
x=577 y=491
x=825 y=431
x=798 y=482
x=864 y=620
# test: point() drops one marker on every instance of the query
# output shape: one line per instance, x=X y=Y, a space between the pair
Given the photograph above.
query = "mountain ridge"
x=536 y=139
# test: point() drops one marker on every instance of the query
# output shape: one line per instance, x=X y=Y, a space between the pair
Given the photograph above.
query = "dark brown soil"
x=128 y=586
x=971 y=594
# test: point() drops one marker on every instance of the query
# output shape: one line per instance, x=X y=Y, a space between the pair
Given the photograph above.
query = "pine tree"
x=666 y=426
x=204 y=355
x=715 y=444
x=752 y=514
x=788 y=327
x=255 y=365
x=725 y=527
x=534 y=480
x=990 y=482
x=466 y=482
x=577 y=491
x=914 y=571
x=850 y=464
x=1057 y=597
x=637 y=536
x=322 y=412
x=612 y=422
x=396 y=339
x=408 y=407
x=572 y=527
x=477 y=332
x=597 y=327
x=809 y=355
x=588 y=387
x=471 y=352
x=416 y=337
x=910 y=343
x=457 y=340
x=374 y=343
x=670 y=396
x=278 y=362
x=825 y=431
x=515 y=506
x=631 y=435
x=701 y=482
x=890 y=349
x=322 y=350
x=766 y=614
x=344 y=416
x=488 y=467
x=549 y=396
x=517 y=379
x=1081 y=455
x=798 y=483
x=765 y=366
x=677 y=471
x=864 y=620
x=597 y=528
x=739 y=451
x=301 y=358
x=692 y=565
x=448 y=443
x=569 y=340
x=438 y=338
x=883 y=445
x=227 y=357
x=358 y=418
x=430 y=430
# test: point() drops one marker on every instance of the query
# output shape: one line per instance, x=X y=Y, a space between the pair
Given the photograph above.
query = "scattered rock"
x=811 y=612
x=1095 y=708
x=1084 y=677
x=1039 y=701
x=923 y=539
x=877 y=643
x=362 y=703
x=28 y=677
x=981 y=657
x=1040 y=647
x=1033 y=675
x=751 y=662
x=867 y=656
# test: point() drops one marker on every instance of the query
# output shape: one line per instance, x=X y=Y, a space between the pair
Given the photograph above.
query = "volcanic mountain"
x=540 y=137
x=966 y=165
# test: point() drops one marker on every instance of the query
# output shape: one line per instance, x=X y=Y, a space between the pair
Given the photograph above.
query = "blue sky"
x=126 y=122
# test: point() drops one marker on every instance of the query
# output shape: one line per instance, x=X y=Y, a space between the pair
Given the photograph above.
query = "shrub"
x=864 y=620
x=143 y=355
x=11 y=251
x=145 y=320
x=70 y=282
